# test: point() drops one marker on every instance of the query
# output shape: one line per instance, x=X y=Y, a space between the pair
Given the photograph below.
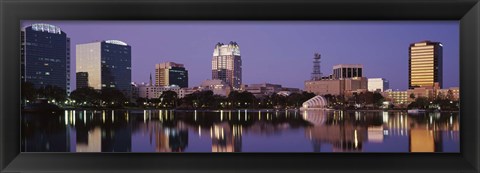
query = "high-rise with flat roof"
x=342 y=71
x=170 y=73
x=45 y=56
x=227 y=64
x=425 y=64
x=108 y=64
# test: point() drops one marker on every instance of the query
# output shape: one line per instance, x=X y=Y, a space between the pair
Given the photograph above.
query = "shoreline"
x=256 y=109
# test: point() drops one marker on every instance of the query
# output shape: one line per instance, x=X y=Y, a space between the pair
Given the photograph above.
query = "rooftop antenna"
x=316 y=74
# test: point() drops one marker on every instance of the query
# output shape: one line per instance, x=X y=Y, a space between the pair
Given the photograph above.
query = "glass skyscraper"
x=108 y=64
x=425 y=64
x=227 y=64
x=45 y=56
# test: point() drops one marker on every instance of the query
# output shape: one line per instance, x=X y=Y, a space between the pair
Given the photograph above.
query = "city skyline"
x=274 y=50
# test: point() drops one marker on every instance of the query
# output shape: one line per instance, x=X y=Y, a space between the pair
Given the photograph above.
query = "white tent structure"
x=316 y=117
x=318 y=102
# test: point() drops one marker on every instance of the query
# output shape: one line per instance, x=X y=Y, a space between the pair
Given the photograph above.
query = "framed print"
x=244 y=86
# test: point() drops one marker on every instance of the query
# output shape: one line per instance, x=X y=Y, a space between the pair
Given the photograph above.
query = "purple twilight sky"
x=278 y=52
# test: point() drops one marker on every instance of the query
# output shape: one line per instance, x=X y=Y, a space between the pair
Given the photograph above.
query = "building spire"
x=150 y=79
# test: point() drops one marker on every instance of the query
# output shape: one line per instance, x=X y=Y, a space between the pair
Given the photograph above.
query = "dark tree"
x=420 y=103
x=242 y=99
x=412 y=96
x=112 y=97
x=450 y=95
x=169 y=98
x=140 y=101
x=52 y=93
x=378 y=99
x=86 y=95
x=28 y=91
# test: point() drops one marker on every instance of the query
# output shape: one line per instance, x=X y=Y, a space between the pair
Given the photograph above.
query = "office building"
x=425 y=64
x=170 y=73
x=452 y=93
x=377 y=84
x=337 y=86
x=346 y=79
x=108 y=64
x=45 y=56
x=396 y=97
x=342 y=71
x=227 y=64
x=82 y=80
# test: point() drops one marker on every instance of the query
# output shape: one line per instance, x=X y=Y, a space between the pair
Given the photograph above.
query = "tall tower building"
x=316 y=74
x=425 y=64
x=227 y=64
x=45 y=56
x=170 y=73
x=108 y=64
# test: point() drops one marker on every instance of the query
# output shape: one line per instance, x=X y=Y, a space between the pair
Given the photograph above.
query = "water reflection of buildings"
x=426 y=134
x=226 y=128
x=226 y=138
x=349 y=132
x=168 y=131
x=165 y=134
x=343 y=135
x=89 y=141
x=171 y=140
x=102 y=131
x=95 y=131
x=45 y=133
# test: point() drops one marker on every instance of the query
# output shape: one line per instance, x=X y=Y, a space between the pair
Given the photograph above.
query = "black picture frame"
x=13 y=11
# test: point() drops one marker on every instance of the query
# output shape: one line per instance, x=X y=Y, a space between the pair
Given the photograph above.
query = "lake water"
x=240 y=131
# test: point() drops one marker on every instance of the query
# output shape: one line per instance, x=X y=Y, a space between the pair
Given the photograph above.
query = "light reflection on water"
x=240 y=131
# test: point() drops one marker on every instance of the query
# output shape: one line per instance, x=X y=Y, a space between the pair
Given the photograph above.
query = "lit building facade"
x=82 y=79
x=151 y=91
x=425 y=64
x=170 y=73
x=108 y=64
x=396 y=97
x=408 y=96
x=227 y=64
x=452 y=93
x=45 y=52
x=378 y=84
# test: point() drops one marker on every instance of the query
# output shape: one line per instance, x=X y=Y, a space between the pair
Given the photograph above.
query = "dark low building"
x=82 y=80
